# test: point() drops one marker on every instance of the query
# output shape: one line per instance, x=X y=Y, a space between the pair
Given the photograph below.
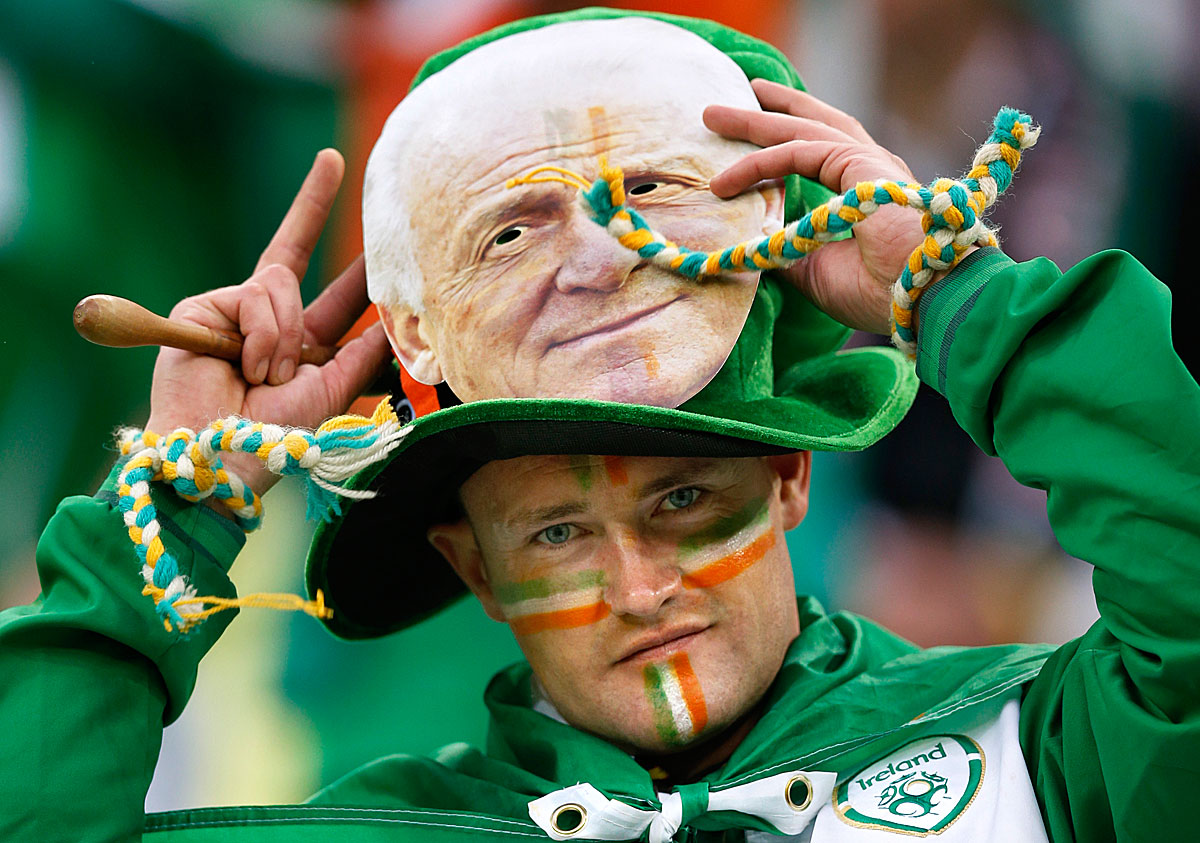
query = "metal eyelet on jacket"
x=798 y=792
x=569 y=819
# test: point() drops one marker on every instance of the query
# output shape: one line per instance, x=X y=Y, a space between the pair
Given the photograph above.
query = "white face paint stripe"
x=554 y=603
x=561 y=601
x=677 y=704
x=735 y=544
x=711 y=550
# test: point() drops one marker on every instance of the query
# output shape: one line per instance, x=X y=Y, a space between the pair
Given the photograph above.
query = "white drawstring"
x=593 y=816
x=667 y=821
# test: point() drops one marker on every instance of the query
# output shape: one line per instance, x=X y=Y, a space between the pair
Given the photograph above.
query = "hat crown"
x=782 y=329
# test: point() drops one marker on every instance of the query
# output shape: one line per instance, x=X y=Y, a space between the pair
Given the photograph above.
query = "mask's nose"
x=593 y=260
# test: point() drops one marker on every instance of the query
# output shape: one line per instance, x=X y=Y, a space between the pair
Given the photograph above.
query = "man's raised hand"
x=191 y=390
x=851 y=280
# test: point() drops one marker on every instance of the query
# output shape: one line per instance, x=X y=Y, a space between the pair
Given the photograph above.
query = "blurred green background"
x=148 y=148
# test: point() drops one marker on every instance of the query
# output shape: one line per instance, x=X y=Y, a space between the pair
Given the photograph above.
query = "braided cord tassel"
x=952 y=220
x=191 y=464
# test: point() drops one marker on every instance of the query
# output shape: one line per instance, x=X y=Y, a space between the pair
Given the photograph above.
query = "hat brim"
x=378 y=572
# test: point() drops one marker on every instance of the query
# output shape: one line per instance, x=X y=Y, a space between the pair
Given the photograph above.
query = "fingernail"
x=286 y=369
x=261 y=371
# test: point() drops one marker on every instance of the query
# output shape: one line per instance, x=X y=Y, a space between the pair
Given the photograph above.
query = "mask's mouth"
x=614 y=326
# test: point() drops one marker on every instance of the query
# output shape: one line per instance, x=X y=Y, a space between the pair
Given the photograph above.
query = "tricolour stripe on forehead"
x=581 y=467
x=676 y=699
x=617 y=474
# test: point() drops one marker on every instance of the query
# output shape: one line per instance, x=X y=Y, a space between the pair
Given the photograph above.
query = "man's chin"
x=644 y=741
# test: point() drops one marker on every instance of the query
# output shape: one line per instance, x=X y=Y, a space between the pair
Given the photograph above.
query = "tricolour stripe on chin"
x=676 y=700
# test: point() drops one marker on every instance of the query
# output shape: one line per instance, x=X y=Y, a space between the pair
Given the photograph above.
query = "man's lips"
x=661 y=643
x=613 y=327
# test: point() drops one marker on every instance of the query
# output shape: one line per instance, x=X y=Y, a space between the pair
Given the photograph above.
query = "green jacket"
x=1069 y=377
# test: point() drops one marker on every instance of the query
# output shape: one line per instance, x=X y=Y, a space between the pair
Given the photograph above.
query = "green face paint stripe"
x=582 y=467
x=726 y=527
x=664 y=721
x=551 y=586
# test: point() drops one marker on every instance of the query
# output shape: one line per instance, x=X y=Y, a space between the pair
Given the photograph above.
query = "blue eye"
x=681 y=498
x=557 y=534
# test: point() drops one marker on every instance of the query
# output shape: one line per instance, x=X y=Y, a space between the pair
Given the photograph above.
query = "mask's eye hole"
x=644 y=188
x=508 y=236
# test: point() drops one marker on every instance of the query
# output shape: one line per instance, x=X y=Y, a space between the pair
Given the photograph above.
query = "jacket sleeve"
x=88 y=674
x=1071 y=379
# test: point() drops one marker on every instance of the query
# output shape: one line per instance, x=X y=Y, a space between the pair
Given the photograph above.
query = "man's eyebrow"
x=690 y=474
x=541 y=515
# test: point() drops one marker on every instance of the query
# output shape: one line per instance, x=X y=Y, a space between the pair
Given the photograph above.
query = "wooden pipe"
x=120 y=323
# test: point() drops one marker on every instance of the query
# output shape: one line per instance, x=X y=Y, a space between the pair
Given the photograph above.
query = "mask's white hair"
x=539 y=67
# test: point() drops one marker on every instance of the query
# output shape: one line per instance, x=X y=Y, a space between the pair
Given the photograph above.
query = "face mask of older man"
x=510 y=290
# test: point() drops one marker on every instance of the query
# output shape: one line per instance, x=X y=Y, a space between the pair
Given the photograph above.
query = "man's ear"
x=793 y=471
x=406 y=332
x=772 y=194
x=458 y=546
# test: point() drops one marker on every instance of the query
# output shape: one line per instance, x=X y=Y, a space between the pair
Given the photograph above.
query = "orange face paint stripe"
x=617 y=475
x=561 y=619
x=692 y=695
x=730 y=566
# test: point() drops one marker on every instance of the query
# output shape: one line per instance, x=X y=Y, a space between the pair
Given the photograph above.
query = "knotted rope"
x=191 y=464
x=952 y=220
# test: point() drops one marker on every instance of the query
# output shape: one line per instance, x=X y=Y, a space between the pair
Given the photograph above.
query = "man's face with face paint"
x=653 y=597
x=525 y=296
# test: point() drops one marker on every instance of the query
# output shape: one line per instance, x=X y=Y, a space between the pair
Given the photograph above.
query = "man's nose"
x=642 y=576
x=593 y=259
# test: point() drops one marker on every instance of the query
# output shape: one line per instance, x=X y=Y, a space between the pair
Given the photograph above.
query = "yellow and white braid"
x=191 y=464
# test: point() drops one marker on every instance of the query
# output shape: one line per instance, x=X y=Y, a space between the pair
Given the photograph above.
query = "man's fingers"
x=355 y=367
x=803 y=157
x=283 y=288
x=775 y=97
x=838 y=166
x=301 y=228
x=768 y=128
x=340 y=304
x=255 y=318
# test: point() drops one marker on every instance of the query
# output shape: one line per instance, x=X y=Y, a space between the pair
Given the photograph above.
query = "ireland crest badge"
x=919 y=789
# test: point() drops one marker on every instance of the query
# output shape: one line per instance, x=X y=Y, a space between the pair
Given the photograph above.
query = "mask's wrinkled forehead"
x=636 y=61
x=509 y=290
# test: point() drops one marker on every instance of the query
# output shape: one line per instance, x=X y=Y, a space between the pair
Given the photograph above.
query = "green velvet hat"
x=785 y=387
